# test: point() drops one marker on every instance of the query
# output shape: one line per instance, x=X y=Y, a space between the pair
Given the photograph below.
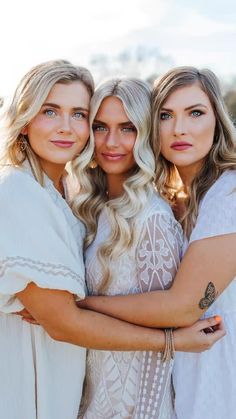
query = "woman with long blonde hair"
x=133 y=245
x=195 y=149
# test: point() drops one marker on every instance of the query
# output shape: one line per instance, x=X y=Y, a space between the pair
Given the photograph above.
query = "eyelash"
x=164 y=116
x=53 y=113
x=46 y=112
x=102 y=129
x=196 y=111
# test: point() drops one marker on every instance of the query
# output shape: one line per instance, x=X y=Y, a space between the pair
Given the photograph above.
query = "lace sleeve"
x=159 y=252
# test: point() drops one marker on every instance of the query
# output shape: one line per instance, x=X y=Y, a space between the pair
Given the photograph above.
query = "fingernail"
x=218 y=319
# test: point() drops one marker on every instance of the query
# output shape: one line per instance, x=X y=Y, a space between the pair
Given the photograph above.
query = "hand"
x=25 y=314
x=199 y=337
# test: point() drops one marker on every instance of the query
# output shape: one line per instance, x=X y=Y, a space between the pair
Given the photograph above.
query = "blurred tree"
x=1 y=101
x=135 y=61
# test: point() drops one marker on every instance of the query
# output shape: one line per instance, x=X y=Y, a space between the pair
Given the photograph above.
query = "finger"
x=21 y=313
x=32 y=320
x=210 y=322
x=218 y=334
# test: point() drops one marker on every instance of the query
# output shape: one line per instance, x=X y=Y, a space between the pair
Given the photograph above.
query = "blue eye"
x=165 y=115
x=79 y=115
x=129 y=129
x=49 y=112
x=196 y=113
x=100 y=128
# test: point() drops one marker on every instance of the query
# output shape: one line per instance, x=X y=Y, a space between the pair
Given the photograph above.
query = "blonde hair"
x=222 y=155
x=122 y=211
x=27 y=101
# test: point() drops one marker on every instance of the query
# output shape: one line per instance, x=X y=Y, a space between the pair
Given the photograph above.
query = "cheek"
x=129 y=144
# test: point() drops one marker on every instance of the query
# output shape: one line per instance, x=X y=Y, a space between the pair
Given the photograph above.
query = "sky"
x=201 y=33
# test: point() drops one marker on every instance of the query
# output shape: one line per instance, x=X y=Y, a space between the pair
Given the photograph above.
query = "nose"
x=179 y=126
x=112 y=139
x=64 y=125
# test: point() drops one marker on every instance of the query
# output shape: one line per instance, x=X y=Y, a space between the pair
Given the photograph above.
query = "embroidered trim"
x=47 y=268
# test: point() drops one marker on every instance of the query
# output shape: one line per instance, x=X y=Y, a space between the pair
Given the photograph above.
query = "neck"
x=188 y=173
x=54 y=172
x=115 y=186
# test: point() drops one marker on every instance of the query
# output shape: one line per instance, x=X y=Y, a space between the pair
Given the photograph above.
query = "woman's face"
x=187 y=126
x=115 y=136
x=60 y=130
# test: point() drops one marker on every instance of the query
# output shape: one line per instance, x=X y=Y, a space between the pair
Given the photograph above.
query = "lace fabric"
x=133 y=384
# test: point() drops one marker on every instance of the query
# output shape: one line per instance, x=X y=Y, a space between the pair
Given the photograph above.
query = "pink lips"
x=63 y=144
x=112 y=157
x=180 y=145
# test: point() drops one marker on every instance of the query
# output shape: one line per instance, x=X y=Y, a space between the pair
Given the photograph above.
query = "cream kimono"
x=40 y=241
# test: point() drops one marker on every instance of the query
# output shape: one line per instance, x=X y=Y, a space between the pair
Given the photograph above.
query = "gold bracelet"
x=169 y=351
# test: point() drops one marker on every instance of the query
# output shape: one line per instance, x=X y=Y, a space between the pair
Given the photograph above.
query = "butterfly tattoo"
x=209 y=298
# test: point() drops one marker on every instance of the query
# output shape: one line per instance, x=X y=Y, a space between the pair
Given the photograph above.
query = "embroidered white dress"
x=205 y=383
x=133 y=384
x=40 y=241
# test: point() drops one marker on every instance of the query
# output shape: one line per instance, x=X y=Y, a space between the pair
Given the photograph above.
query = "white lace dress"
x=126 y=384
x=205 y=383
x=40 y=241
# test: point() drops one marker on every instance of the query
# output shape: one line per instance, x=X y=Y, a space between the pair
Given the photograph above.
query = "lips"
x=112 y=156
x=63 y=144
x=181 y=146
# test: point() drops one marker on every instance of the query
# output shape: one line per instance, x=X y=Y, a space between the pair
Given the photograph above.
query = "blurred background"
x=141 y=38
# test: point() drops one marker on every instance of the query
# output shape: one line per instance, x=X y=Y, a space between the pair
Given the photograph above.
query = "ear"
x=24 y=131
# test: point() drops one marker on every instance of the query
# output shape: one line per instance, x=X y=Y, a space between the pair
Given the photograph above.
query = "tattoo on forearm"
x=209 y=298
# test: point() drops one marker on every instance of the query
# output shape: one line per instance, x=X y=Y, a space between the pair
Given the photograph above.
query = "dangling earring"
x=23 y=142
x=92 y=164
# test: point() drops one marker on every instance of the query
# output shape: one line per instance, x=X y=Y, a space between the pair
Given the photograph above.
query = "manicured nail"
x=218 y=319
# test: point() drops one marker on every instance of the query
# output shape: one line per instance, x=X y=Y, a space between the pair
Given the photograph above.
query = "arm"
x=207 y=261
x=63 y=321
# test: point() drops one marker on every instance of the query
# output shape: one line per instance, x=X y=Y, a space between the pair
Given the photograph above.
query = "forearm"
x=97 y=331
x=153 y=309
x=64 y=321
x=206 y=270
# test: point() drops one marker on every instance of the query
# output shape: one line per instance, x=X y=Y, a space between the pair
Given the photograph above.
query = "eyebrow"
x=188 y=108
x=121 y=124
x=54 y=105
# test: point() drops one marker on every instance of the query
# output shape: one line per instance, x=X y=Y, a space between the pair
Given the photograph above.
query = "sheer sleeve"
x=36 y=243
x=159 y=252
x=158 y=258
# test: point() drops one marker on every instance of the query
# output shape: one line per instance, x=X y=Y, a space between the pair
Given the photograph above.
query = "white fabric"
x=117 y=383
x=40 y=241
x=205 y=383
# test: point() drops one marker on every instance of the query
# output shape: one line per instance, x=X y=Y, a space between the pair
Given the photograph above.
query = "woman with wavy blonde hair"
x=41 y=252
x=133 y=246
x=195 y=149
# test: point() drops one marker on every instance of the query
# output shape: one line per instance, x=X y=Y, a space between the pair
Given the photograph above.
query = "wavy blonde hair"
x=27 y=101
x=122 y=212
x=222 y=155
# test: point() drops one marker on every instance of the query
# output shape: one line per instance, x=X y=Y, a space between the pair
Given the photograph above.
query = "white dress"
x=133 y=384
x=205 y=383
x=41 y=241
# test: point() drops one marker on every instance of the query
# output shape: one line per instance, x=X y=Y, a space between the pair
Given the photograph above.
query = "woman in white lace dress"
x=41 y=260
x=134 y=245
x=196 y=138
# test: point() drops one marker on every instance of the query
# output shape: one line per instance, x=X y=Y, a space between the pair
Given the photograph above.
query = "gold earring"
x=23 y=142
x=92 y=164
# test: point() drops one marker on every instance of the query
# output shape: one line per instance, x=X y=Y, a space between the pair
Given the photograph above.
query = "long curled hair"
x=135 y=96
x=27 y=101
x=222 y=155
